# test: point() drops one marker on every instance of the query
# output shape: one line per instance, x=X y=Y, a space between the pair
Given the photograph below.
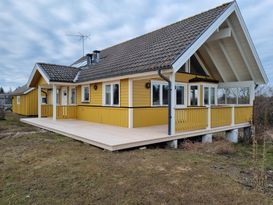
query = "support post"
x=209 y=118
x=232 y=135
x=173 y=144
x=232 y=115
x=54 y=100
x=39 y=102
x=130 y=103
x=207 y=138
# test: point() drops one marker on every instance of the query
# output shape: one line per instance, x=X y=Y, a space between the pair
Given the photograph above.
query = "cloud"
x=36 y=30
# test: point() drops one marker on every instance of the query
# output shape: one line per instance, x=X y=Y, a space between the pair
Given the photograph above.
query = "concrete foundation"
x=207 y=138
x=173 y=144
x=232 y=135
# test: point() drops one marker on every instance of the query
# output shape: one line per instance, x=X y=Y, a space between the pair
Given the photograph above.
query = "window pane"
x=108 y=94
x=206 y=95
x=116 y=94
x=243 y=96
x=196 y=68
x=73 y=96
x=231 y=95
x=86 y=94
x=165 y=94
x=156 y=90
x=180 y=95
x=212 y=96
x=221 y=93
x=194 y=95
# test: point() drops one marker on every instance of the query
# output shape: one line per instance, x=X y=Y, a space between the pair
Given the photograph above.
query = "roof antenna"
x=82 y=38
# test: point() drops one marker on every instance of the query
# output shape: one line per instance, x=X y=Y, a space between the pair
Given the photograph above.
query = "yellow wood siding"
x=46 y=110
x=124 y=84
x=28 y=104
x=106 y=115
x=189 y=119
x=221 y=116
x=96 y=95
x=185 y=77
x=150 y=116
x=243 y=114
x=141 y=95
x=66 y=112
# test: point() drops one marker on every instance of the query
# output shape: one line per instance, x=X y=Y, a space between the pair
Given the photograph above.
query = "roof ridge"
x=163 y=27
x=56 y=65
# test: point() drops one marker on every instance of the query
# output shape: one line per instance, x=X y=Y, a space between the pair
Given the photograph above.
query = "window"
x=18 y=98
x=221 y=93
x=44 y=100
x=111 y=94
x=156 y=94
x=194 y=95
x=243 y=96
x=72 y=96
x=165 y=90
x=231 y=95
x=85 y=93
x=180 y=95
x=160 y=92
x=209 y=95
x=58 y=96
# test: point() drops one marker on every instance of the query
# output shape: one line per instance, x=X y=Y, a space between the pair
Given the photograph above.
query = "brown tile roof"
x=20 y=90
x=59 y=73
x=149 y=52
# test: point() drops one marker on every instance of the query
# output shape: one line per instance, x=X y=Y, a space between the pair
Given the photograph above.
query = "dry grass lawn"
x=46 y=168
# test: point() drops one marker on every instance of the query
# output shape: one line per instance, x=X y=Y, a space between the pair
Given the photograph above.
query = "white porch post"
x=233 y=115
x=54 y=100
x=130 y=103
x=39 y=102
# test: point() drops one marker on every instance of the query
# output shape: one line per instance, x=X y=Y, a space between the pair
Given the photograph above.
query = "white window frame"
x=18 y=99
x=82 y=93
x=198 y=94
x=209 y=86
x=70 y=95
x=185 y=95
x=111 y=93
x=161 y=83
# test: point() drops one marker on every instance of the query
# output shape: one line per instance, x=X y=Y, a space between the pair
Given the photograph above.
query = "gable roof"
x=149 y=52
x=21 y=90
x=154 y=50
x=59 y=73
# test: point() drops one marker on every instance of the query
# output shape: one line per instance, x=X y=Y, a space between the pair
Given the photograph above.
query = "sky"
x=38 y=30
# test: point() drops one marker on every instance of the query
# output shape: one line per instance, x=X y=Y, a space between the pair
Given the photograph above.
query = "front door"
x=64 y=96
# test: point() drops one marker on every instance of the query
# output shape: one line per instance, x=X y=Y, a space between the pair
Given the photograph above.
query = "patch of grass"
x=47 y=168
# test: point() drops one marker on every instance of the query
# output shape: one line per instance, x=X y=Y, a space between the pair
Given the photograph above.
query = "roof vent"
x=96 y=56
x=89 y=58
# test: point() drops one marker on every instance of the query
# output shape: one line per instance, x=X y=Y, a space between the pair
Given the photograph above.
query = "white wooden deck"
x=115 y=138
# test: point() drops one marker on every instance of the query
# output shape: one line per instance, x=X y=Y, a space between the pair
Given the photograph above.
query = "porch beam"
x=221 y=34
x=230 y=62
x=39 y=102
x=209 y=52
x=237 y=42
x=54 y=100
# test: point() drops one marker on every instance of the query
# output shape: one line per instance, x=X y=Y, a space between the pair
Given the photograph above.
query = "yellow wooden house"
x=25 y=101
x=195 y=77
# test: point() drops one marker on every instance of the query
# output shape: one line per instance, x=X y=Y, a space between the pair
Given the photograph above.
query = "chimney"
x=89 y=58
x=96 y=55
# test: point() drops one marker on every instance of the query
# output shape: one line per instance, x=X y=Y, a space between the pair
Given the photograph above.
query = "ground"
x=38 y=167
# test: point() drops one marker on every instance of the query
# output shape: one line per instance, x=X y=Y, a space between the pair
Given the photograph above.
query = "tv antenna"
x=82 y=38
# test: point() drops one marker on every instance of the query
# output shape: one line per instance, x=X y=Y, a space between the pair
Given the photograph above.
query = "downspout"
x=169 y=99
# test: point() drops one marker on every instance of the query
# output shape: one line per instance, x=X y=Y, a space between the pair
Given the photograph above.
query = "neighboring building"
x=6 y=101
x=25 y=101
x=206 y=64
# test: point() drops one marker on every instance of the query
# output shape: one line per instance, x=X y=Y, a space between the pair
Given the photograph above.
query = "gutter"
x=169 y=100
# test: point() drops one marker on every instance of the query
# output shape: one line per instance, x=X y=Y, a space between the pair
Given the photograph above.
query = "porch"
x=190 y=122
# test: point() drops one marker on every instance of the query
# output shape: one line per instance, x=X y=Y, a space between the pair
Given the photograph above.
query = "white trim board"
x=37 y=68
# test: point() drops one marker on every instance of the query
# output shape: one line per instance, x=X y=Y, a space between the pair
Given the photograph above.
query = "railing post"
x=173 y=102
x=54 y=102
x=130 y=103
x=209 y=118
x=233 y=115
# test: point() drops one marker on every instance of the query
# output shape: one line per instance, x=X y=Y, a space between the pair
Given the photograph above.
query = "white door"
x=64 y=95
